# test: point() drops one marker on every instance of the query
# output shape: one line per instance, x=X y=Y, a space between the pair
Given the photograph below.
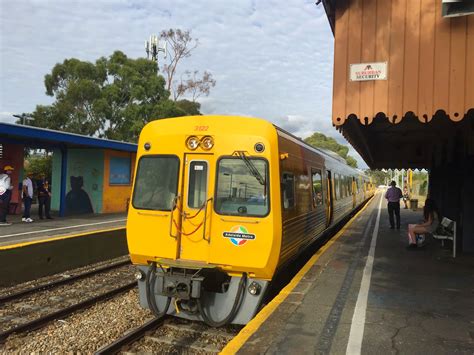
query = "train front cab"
x=203 y=217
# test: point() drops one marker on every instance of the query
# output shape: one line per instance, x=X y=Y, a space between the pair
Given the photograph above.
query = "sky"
x=271 y=59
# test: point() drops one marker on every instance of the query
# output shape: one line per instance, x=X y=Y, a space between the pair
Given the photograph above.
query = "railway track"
x=28 y=309
x=172 y=335
x=11 y=295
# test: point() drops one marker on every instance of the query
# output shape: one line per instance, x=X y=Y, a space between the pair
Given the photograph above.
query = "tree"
x=38 y=164
x=319 y=140
x=351 y=161
x=113 y=98
x=180 y=44
x=190 y=107
x=195 y=86
x=378 y=177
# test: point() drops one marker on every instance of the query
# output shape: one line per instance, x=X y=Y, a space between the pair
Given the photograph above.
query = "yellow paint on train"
x=188 y=234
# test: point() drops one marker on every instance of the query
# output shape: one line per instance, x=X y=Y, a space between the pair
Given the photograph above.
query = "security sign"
x=368 y=71
x=239 y=235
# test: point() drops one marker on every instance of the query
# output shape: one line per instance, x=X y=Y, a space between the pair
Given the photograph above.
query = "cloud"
x=7 y=117
x=271 y=59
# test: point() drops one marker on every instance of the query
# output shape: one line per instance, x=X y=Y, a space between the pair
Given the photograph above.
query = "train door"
x=195 y=207
x=329 y=199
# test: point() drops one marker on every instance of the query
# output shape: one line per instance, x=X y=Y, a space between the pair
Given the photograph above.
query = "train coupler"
x=179 y=285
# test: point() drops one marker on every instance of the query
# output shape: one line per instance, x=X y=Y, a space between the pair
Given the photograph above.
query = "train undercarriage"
x=204 y=294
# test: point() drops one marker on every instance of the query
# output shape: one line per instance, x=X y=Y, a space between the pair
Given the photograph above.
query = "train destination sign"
x=368 y=71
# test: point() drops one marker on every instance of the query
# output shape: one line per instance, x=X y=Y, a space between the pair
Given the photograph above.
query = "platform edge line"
x=21 y=245
x=356 y=332
x=246 y=332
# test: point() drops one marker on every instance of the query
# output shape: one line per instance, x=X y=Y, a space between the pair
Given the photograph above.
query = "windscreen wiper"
x=253 y=170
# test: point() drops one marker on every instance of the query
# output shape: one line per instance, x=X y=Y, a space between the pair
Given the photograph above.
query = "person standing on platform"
x=6 y=188
x=44 y=197
x=406 y=197
x=393 y=196
x=27 y=195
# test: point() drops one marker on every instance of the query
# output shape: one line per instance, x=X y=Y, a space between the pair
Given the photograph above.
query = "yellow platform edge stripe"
x=20 y=245
x=237 y=342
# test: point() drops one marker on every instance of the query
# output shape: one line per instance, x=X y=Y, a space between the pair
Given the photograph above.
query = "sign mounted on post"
x=368 y=71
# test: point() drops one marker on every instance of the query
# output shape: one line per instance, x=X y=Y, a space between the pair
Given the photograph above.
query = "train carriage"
x=219 y=204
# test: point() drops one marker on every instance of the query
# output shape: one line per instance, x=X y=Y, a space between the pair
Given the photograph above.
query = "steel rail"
x=56 y=283
x=131 y=337
x=39 y=322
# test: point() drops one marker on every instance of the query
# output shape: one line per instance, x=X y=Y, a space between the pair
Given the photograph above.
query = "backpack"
x=3 y=184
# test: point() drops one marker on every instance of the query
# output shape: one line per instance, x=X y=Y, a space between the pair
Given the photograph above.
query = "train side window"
x=346 y=191
x=317 y=182
x=288 y=190
x=338 y=182
x=342 y=187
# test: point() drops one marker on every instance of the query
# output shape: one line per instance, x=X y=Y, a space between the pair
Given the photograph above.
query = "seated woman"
x=431 y=221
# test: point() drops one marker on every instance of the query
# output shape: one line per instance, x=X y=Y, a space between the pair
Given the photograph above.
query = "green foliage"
x=351 y=161
x=319 y=140
x=420 y=182
x=190 y=107
x=423 y=190
x=420 y=176
x=112 y=98
x=39 y=164
x=378 y=177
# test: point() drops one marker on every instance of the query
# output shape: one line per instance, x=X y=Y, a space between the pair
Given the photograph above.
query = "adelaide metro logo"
x=239 y=235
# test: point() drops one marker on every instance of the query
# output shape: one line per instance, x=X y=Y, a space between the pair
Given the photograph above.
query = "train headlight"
x=192 y=142
x=139 y=275
x=207 y=143
x=254 y=288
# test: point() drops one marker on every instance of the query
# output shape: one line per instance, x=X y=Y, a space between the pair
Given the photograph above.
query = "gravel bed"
x=178 y=336
x=59 y=276
x=83 y=332
x=44 y=302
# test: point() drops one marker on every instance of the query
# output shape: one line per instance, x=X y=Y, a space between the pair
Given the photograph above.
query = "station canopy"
x=41 y=138
x=418 y=110
x=409 y=143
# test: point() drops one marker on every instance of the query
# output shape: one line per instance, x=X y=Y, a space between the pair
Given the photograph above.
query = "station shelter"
x=403 y=93
x=89 y=175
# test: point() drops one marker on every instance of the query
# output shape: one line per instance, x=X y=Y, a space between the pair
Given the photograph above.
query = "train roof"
x=325 y=152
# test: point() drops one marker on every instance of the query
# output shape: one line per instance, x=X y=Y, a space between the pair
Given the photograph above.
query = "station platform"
x=47 y=246
x=59 y=227
x=364 y=292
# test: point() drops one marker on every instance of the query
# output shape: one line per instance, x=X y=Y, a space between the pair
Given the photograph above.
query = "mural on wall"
x=77 y=200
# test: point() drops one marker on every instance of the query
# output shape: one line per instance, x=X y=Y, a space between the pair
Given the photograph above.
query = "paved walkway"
x=366 y=293
x=20 y=232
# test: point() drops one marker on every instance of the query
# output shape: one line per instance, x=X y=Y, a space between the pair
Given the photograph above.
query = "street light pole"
x=23 y=118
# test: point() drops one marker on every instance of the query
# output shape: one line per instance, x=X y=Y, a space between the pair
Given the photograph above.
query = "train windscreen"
x=242 y=187
x=156 y=184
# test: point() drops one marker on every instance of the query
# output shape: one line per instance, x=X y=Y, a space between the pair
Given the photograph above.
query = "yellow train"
x=220 y=204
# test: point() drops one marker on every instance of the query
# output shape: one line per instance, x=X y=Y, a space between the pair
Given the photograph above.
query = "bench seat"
x=446 y=231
